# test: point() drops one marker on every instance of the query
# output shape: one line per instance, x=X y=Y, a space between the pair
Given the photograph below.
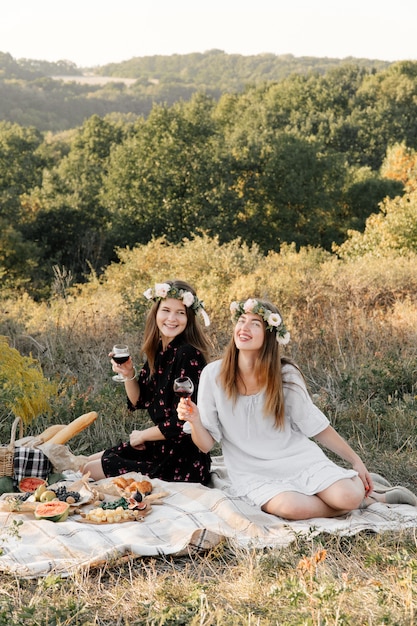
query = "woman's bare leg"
x=94 y=467
x=96 y=455
x=297 y=506
x=340 y=498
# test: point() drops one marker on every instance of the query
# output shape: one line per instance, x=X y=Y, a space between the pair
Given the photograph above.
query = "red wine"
x=183 y=393
x=120 y=358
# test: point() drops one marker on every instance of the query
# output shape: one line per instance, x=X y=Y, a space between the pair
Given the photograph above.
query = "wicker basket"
x=7 y=452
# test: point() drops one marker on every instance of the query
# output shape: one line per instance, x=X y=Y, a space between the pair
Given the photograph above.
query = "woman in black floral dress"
x=175 y=345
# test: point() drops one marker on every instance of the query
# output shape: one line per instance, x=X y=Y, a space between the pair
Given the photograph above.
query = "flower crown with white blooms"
x=161 y=291
x=273 y=320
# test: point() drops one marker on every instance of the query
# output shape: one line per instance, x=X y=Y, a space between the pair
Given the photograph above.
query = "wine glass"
x=183 y=387
x=120 y=354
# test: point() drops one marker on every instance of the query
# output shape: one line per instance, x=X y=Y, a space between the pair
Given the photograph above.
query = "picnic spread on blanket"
x=174 y=518
x=58 y=526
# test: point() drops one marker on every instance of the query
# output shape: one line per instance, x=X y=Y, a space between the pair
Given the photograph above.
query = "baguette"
x=75 y=427
x=50 y=432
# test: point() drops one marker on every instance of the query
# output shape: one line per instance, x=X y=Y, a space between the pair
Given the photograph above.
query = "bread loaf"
x=75 y=427
x=48 y=433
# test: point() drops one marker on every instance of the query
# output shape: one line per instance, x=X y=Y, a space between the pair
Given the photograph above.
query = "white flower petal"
x=249 y=305
x=161 y=290
x=274 y=319
x=188 y=298
x=284 y=340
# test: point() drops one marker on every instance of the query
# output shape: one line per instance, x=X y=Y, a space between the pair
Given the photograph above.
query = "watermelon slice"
x=54 y=511
x=30 y=484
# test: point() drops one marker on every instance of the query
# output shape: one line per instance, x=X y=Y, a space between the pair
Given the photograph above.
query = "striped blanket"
x=190 y=518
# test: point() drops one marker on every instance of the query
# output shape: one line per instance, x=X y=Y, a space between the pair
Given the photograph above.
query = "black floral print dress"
x=176 y=458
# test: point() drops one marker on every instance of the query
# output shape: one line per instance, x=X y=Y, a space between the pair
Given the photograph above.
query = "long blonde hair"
x=268 y=370
x=193 y=332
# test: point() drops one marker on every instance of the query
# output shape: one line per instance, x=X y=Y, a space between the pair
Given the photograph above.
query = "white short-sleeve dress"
x=262 y=460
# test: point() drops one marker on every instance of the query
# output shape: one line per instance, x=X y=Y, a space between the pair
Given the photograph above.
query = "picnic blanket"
x=191 y=518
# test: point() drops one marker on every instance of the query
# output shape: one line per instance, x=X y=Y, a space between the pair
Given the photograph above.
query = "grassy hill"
x=60 y=96
x=353 y=326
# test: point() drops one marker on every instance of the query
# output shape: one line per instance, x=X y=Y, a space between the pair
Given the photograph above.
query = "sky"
x=96 y=32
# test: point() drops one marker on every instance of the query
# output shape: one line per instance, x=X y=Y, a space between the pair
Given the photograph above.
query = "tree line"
x=302 y=160
x=32 y=92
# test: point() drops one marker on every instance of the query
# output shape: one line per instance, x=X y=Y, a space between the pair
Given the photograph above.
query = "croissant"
x=144 y=486
x=122 y=482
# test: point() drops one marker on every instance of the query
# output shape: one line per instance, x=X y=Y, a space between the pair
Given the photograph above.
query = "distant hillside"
x=30 y=69
x=60 y=96
x=218 y=70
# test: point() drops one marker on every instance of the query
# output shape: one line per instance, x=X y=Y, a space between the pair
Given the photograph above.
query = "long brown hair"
x=193 y=332
x=268 y=370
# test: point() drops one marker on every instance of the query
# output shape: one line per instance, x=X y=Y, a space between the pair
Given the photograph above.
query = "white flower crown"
x=273 y=320
x=161 y=291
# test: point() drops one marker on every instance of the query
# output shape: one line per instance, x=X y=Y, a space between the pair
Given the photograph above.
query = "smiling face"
x=249 y=332
x=171 y=319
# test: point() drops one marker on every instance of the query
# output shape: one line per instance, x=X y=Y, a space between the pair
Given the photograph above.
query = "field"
x=87 y=79
x=354 y=334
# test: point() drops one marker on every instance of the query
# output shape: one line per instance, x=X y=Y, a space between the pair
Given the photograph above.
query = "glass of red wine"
x=183 y=387
x=120 y=354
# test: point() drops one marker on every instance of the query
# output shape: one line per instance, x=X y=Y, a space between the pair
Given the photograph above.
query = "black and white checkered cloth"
x=30 y=462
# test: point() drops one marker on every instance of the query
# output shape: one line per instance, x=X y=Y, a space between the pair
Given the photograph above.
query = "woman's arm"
x=138 y=438
x=334 y=442
x=132 y=388
x=128 y=371
x=188 y=411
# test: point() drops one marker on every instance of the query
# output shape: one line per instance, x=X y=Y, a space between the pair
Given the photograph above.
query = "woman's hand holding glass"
x=187 y=410
x=121 y=363
x=183 y=389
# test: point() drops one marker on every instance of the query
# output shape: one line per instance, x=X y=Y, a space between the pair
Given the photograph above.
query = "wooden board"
x=83 y=520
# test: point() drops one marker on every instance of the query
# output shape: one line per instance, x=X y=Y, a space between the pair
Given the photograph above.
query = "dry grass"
x=354 y=333
x=327 y=580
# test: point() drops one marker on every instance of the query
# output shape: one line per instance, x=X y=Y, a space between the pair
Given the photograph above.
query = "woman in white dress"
x=256 y=404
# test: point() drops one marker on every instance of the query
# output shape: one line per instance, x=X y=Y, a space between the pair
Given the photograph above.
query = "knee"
x=285 y=506
x=348 y=495
x=352 y=502
x=86 y=467
x=94 y=469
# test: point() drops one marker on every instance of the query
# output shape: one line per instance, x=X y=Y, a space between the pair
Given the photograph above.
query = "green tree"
x=20 y=171
x=69 y=222
x=293 y=194
x=18 y=257
x=365 y=190
x=20 y=167
x=392 y=230
x=385 y=112
x=170 y=177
